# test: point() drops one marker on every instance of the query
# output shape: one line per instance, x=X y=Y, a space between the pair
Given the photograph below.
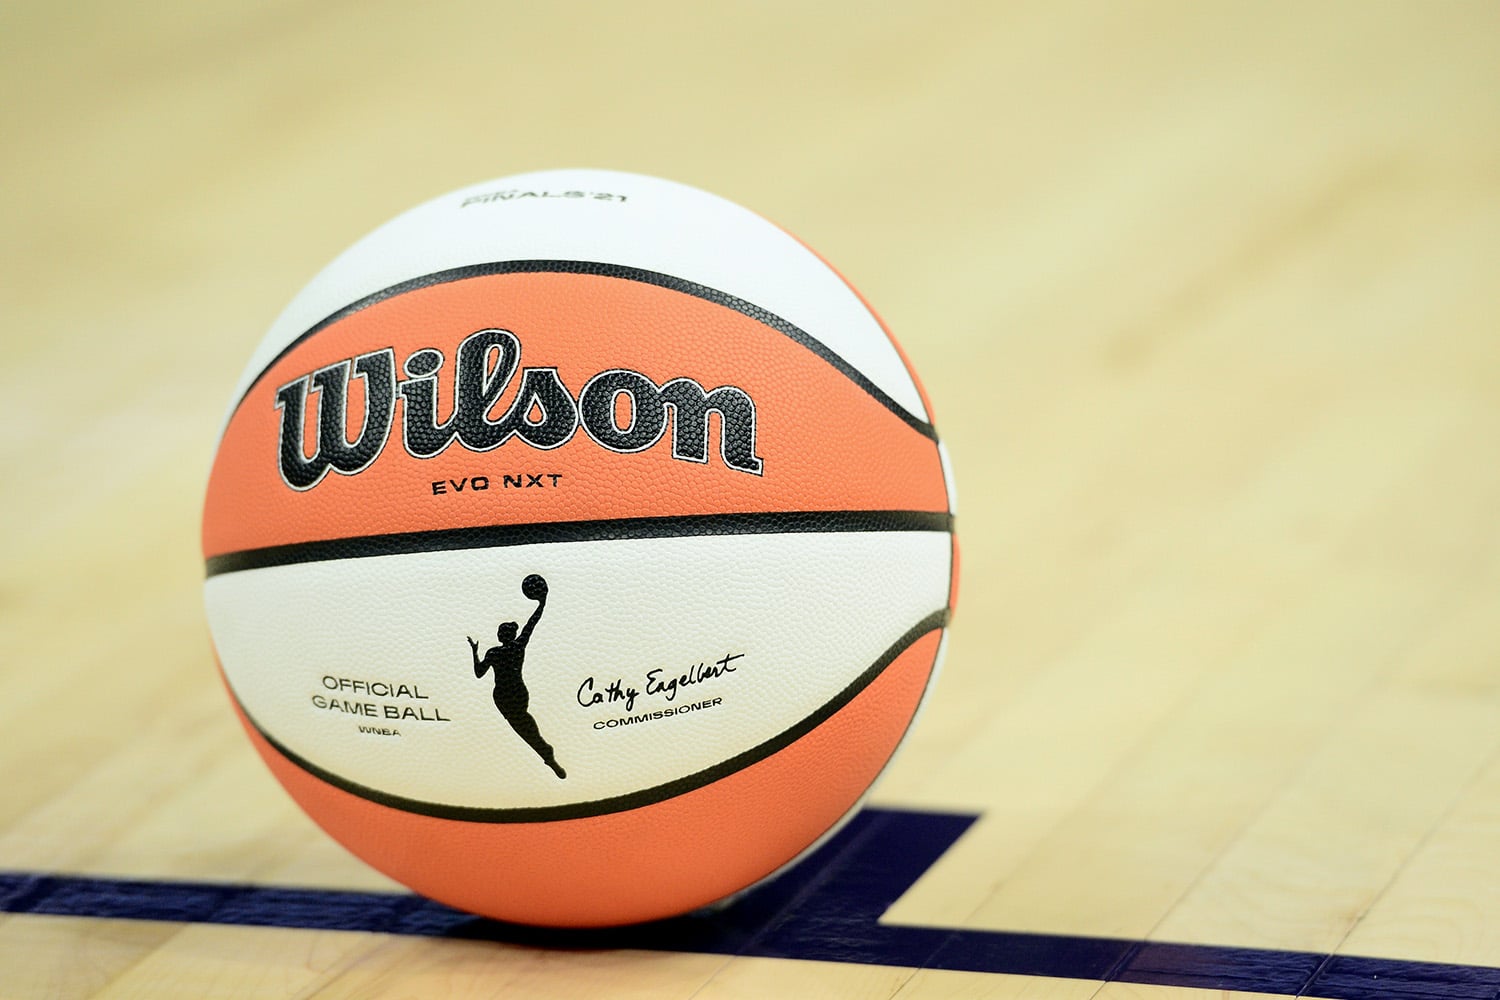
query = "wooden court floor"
x=1205 y=295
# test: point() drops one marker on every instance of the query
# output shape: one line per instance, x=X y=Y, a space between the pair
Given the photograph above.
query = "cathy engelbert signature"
x=591 y=693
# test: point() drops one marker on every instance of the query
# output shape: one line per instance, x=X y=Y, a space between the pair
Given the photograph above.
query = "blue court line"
x=825 y=909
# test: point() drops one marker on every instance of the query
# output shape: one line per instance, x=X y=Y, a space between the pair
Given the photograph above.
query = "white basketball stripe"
x=808 y=613
x=645 y=222
x=949 y=484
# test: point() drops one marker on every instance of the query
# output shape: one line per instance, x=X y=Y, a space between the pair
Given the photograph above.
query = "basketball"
x=579 y=549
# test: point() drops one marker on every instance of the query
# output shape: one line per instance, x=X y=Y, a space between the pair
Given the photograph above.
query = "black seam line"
x=631 y=800
x=493 y=536
x=667 y=281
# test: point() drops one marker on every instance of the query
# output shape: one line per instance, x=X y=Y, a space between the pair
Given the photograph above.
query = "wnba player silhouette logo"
x=511 y=696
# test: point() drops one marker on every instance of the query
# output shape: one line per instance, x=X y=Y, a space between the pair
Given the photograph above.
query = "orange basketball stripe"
x=646 y=863
x=826 y=443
